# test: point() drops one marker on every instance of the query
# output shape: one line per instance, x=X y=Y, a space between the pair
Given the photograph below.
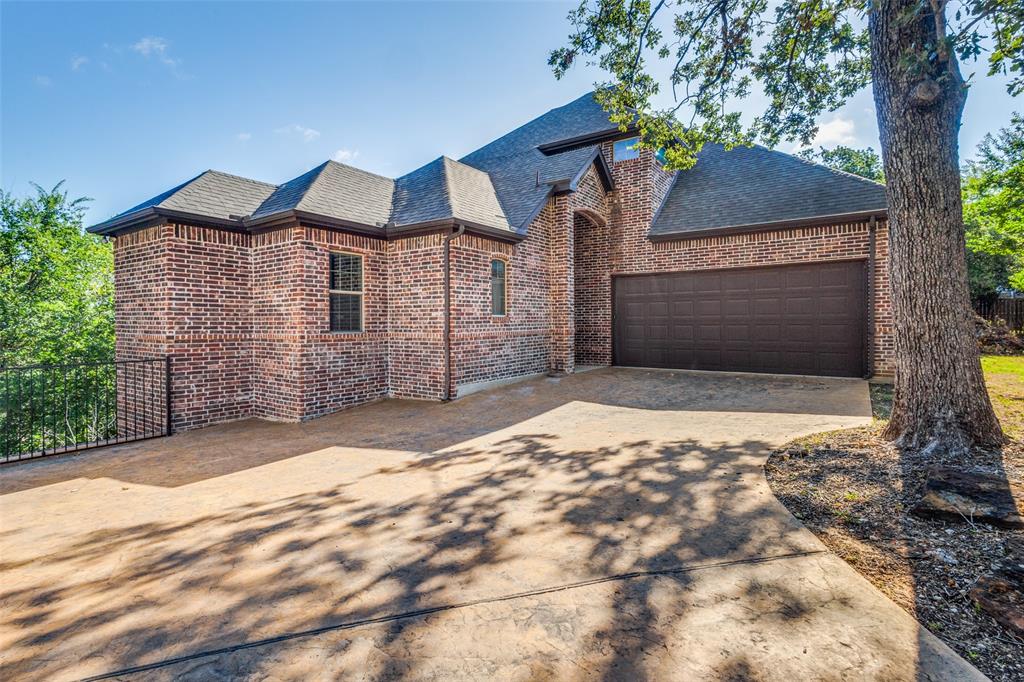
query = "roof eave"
x=814 y=221
x=549 y=148
x=157 y=215
x=282 y=218
x=429 y=226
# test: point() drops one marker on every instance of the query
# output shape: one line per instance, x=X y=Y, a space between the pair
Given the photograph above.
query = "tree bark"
x=940 y=399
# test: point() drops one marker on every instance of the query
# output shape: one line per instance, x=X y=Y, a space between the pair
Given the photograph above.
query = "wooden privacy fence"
x=1010 y=310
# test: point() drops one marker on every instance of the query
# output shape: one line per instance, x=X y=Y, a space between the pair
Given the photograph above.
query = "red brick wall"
x=593 y=292
x=591 y=283
x=201 y=277
x=140 y=302
x=342 y=369
x=245 y=319
x=246 y=316
x=416 y=317
x=485 y=347
x=276 y=337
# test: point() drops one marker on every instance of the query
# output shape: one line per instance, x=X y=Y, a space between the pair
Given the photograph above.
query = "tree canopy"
x=863 y=162
x=993 y=189
x=56 y=282
x=807 y=56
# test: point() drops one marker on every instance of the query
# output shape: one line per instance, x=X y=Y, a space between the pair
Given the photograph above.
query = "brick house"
x=556 y=246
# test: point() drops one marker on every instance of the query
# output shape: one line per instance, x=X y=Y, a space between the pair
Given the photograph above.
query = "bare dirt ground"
x=854 y=490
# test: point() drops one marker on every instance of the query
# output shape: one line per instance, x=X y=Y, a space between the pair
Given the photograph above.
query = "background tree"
x=992 y=205
x=56 y=282
x=993 y=190
x=808 y=57
x=863 y=162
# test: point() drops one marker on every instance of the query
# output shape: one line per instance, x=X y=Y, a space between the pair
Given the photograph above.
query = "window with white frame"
x=623 y=150
x=346 y=292
x=499 y=291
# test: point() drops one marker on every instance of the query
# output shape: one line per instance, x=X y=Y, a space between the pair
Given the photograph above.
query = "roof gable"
x=523 y=175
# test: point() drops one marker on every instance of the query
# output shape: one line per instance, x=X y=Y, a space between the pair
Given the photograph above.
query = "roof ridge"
x=837 y=171
x=232 y=175
x=532 y=120
x=449 y=195
x=357 y=168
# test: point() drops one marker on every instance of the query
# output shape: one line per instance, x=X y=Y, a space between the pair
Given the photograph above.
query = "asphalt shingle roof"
x=755 y=185
x=212 y=194
x=504 y=184
x=334 y=190
x=445 y=189
x=522 y=174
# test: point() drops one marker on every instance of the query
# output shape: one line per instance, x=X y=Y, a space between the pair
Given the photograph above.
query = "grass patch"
x=881 y=401
x=1003 y=364
x=1004 y=377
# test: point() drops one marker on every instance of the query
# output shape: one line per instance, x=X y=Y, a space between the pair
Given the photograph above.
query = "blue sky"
x=125 y=100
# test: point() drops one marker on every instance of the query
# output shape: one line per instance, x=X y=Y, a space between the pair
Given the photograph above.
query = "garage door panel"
x=805 y=319
x=657 y=309
x=682 y=308
x=732 y=333
x=767 y=279
x=767 y=307
x=802 y=304
x=737 y=306
x=657 y=332
x=706 y=307
x=683 y=332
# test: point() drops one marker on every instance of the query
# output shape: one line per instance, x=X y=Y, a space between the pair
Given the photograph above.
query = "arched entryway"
x=591 y=266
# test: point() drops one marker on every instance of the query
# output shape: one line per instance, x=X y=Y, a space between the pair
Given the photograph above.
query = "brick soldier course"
x=230 y=277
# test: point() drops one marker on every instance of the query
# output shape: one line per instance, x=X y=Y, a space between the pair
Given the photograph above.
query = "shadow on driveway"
x=613 y=525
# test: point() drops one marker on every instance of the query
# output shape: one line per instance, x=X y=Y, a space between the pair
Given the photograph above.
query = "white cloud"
x=153 y=46
x=308 y=134
x=837 y=131
x=243 y=137
x=43 y=81
x=345 y=155
x=78 y=62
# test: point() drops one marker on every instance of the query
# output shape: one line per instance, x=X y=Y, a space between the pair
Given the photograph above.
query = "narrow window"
x=498 y=287
x=346 y=289
x=626 y=149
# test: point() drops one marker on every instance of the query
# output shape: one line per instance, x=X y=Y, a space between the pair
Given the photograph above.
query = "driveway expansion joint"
x=419 y=613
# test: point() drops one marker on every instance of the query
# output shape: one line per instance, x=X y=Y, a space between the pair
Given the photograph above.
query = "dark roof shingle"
x=334 y=190
x=504 y=184
x=523 y=175
x=210 y=194
x=752 y=186
x=445 y=189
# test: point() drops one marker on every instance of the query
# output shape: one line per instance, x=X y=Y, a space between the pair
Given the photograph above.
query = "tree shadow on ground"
x=414 y=426
x=519 y=514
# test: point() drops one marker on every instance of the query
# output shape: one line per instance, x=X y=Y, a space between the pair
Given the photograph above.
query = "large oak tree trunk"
x=940 y=398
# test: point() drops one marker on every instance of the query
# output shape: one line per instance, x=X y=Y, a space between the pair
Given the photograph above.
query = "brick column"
x=561 y=267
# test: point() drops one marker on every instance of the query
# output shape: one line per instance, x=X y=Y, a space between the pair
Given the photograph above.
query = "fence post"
x=167 y=391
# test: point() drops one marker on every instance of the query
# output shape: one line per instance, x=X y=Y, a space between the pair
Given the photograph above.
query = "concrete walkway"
x=609 y=525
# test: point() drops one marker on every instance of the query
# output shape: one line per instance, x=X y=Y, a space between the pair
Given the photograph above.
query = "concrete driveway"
x=609 y=525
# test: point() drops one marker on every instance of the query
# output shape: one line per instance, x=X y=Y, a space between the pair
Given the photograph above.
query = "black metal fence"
x=1010 y=310
x=49 y=409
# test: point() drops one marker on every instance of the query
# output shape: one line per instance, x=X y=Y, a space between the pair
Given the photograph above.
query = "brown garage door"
x=792 y=319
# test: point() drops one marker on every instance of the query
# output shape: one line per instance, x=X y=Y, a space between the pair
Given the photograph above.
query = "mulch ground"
x=854 y=490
